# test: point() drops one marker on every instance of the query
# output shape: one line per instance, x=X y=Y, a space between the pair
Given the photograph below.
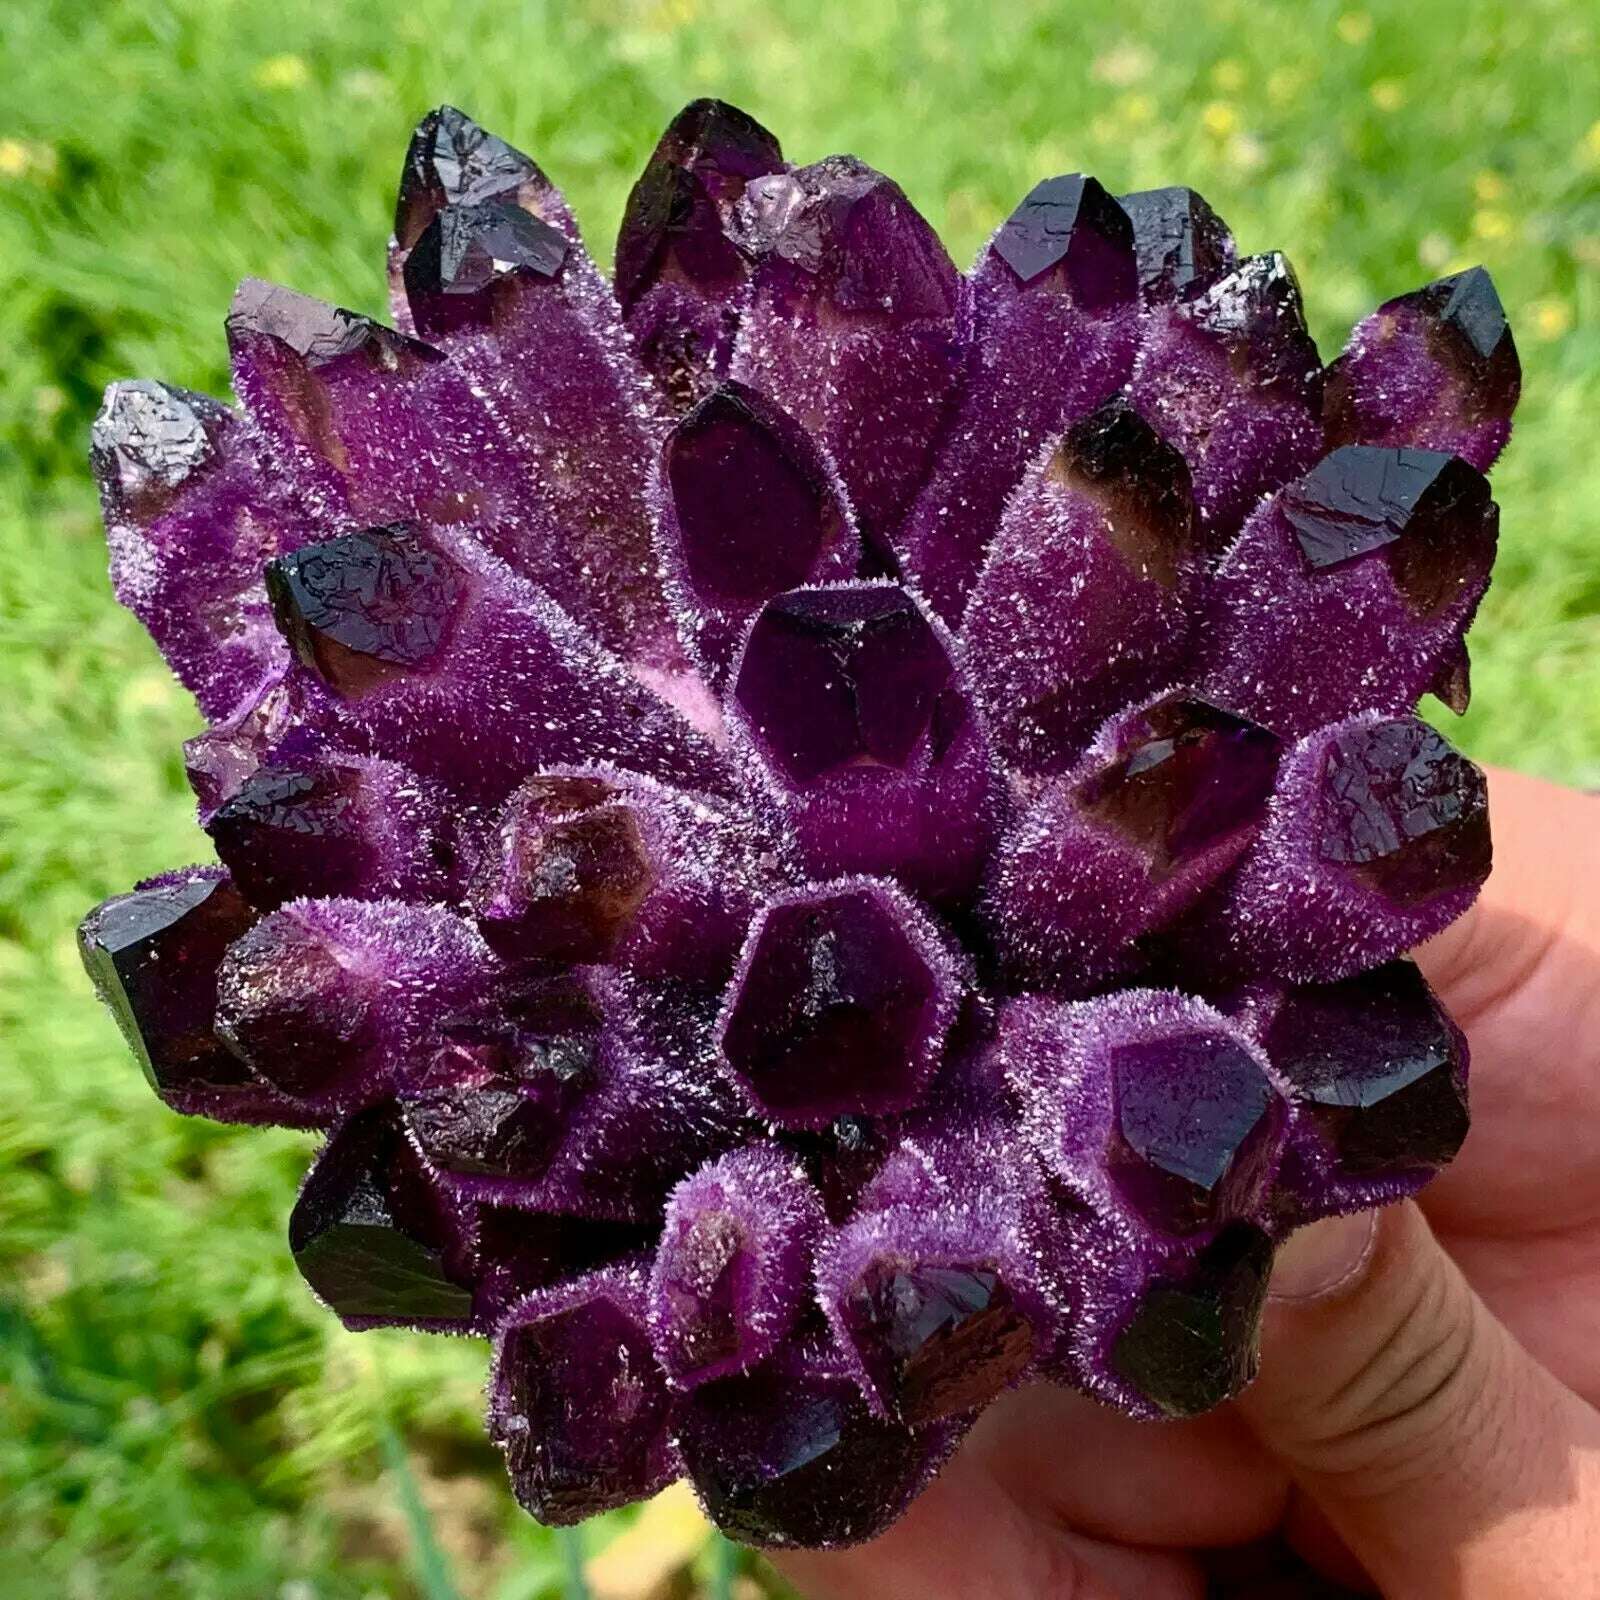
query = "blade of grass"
x=724 y=1567
x=576 y=1586
x=432 y=1566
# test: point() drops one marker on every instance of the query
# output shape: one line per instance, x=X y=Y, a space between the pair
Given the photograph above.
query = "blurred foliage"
x=176 y=1417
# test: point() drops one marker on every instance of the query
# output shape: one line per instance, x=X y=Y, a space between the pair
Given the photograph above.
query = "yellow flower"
x=1388 y=94
x=1284 y=84
x=1136 y=108
x=283 y=72
x=1354 y=27
x=1229 y=76
x=1552 y=317
x=1489 y=186
x=1489 y=223
x=1219 y=119
x=20 y=158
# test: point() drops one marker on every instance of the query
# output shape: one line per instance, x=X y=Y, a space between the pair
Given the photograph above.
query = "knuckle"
x=1411 y=1404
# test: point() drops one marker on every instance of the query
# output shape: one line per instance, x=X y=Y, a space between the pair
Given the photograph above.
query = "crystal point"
x=1435 y=369
x=375 y=1236
x=1182 y=245
x=576 y=1401
x=840 y=1007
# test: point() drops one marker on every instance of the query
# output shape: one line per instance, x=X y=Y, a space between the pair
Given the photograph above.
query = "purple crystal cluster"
x=822 y=836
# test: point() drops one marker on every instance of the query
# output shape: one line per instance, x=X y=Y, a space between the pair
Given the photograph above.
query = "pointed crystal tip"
x=454 y=161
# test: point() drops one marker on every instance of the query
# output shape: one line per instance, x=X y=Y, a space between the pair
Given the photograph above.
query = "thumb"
x=1449 y=1461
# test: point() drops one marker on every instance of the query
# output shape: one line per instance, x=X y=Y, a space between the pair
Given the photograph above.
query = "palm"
x=1054 y=1495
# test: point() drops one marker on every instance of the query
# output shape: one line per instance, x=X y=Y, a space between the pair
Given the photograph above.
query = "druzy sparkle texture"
x=821 y=836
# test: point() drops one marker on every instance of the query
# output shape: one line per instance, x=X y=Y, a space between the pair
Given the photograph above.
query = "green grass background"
x=176 y=1419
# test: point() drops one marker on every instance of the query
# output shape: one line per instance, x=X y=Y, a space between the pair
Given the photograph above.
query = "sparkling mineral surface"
x=821 y=836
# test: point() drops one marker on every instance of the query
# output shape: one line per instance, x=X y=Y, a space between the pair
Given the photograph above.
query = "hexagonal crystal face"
x=796 y=1461
x=853 y=676
x=1185 y=777
x=1376 y=1068
x=937 y=1339
x=1192 y=1340
x=564 y=875
x=1071 y=229
x=753 y=506
x=1195 y=1125
x=1403 y=812
x=367 y=607
x=834 y=1013
x=580 y=1409
x=1428 y=511
x=153 y=956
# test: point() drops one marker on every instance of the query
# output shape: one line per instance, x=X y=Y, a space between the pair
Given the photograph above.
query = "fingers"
x=1543 y=888
x=1521 y=973
x=967 y=1537
x=1445 y=1457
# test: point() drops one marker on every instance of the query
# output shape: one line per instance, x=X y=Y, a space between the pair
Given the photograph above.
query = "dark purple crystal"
x=1071 y=228
x=362 y=609
x=938 y=1339
x=334 y=826
x=854 y=326
x=783 y=1460
x=680 y=272
x=1431 y=512
x=836 y=1012
x=377 y=1238
x=499 y=1097
x=1055 y=312
x=1404 y=812
x=754 y=506
x=1081 y=605
x=1376 y=1068
x=1194 y=1117
x=564 y=876
x=1182 y=777
x=153 y=956
x=451 y=272
x=1436 y=368
x=1193 y=1341
x=842 y=677
x=732 y=1273
x=849 y=700
x=577 y=1402
x=1232 y=378
x=452 y=161
x=1182 y=245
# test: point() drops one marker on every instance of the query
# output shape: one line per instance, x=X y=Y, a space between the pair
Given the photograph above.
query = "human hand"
x=1425 y=1417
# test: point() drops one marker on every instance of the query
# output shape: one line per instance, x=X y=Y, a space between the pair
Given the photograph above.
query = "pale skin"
x=1425 y=1423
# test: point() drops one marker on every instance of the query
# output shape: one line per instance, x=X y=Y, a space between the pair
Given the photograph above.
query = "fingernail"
x=1323 y=1257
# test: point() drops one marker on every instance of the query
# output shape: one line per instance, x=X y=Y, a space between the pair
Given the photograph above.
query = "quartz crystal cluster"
x=821 y=836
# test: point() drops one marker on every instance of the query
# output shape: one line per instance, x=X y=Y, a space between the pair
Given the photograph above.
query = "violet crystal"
x=823 y=837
